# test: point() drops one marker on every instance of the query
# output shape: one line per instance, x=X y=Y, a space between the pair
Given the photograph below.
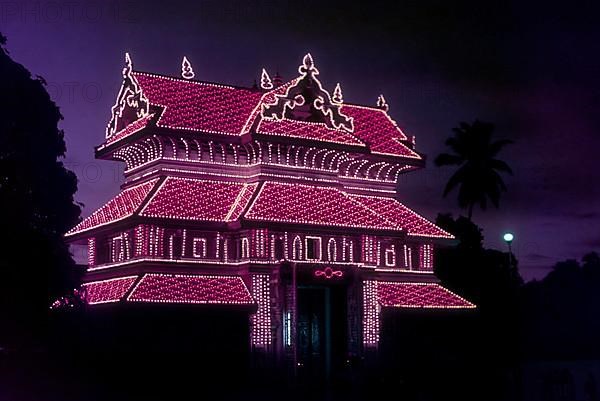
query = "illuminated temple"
x=279 y=198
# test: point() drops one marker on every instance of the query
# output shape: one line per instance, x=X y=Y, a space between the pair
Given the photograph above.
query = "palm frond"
x=493 y=191
x=497 y=179
x=456 y=179
x=497 y=146
x=477 y=177
x=500 y=166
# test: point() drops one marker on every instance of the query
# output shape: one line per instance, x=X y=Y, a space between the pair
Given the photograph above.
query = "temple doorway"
x=321 y=331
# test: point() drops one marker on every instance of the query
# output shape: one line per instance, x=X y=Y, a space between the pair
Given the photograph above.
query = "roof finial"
x=186 y=69
x=308 y=65
x=128 y=65
x=308 y=61
x=337 y=94
x=382 y=104
x=265 y=80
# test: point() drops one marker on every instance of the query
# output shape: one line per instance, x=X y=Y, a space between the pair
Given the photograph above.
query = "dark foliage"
x=485 y=276
x=131 y=353
x=466 y=354
x=36 y=195
x=477 y=177
x=561 y=316
x=490 y=279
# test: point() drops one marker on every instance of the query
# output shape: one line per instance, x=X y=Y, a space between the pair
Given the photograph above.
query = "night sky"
x=533 y=70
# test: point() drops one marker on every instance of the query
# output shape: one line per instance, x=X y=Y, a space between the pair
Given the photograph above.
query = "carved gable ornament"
x=306 y=100
x=131 y=102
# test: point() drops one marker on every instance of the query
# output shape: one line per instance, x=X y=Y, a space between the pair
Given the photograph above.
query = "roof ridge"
x=349 y=196
x=256 y=194
x=239 y=198
x=411 y=210
x=151 y=194
x=76 y=230
x=132 y=287
x=251 y=120
x=193 y=81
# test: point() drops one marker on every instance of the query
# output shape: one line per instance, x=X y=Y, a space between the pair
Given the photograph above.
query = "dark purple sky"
x=533 y=70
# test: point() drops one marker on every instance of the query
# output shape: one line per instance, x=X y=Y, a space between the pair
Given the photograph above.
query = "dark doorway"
x=322 y=330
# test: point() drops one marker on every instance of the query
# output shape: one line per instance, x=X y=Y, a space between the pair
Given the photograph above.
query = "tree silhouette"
x=36 y=195
x=478 y=175
x=560 y=314
x=486 y=278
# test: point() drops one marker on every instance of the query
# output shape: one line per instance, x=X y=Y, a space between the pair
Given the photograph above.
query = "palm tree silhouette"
x=478 y=175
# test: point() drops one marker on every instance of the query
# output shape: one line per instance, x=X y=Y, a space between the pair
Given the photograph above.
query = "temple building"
x=278 y=198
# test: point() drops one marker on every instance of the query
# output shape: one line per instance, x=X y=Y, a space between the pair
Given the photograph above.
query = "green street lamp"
x=508 y=238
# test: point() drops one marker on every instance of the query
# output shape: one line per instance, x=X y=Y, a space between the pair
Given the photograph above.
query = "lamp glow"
x=508 y=237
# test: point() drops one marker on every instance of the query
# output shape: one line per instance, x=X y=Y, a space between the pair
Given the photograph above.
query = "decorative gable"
x=131 y=103
x=307 y=100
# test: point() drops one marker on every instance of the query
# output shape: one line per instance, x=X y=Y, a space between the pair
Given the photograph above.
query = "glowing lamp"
x=508 y=237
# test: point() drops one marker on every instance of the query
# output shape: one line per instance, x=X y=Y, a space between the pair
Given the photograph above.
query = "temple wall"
x=150 y=241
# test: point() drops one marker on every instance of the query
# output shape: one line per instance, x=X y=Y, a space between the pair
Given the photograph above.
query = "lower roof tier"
x=169 y=288
x=418 y=295
x=231 y=290
x=268 y=202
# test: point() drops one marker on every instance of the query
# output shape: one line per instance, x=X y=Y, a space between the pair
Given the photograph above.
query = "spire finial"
x=337 y=94
x=128 y=65
x=186 y=69
x=265 y=80
x=308 y=65
x=308 y=61
x=382 y=104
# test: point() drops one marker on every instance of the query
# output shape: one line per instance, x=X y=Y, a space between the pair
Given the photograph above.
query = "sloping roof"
x=278 y=202
x=201 y=200
x=376 y=128
x=328 y=206
x=176 y=198
x=105 y=291
x=418 y=295
x=170 y=288
x=191 y=289
x=199 y=106
x=396 y=212
x=306 y=130
x=221 y=109
x=118 y=208
x=131 y=129
x=312 y=205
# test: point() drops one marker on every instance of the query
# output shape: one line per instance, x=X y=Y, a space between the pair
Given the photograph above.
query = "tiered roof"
x=266 y=202
x=203 y=107
x=299 y=109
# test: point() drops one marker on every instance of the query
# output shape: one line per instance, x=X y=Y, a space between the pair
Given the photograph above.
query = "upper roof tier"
x=300 y=110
